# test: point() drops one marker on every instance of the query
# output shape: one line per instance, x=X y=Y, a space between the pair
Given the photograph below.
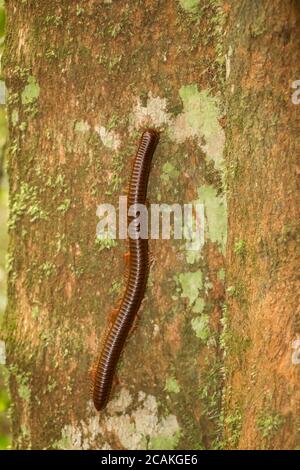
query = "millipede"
x=138 y=269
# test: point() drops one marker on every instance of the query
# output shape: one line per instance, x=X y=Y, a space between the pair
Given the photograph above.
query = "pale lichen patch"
x=215 y=213
x=80 y=437
x=153 y=114
x=228 y=62
x=82 y=126
x=70 y=438
x=200 y=120
x=190 y=6
x=15 y=117
x=142 y=428
x=199 y=305
x=172 y=386
x=109 y=138
x=190 y=285
x=145 y=426
x=124 y=429
x=31 y=91
x=200 y=325
x=120 y=403
x=167 y=436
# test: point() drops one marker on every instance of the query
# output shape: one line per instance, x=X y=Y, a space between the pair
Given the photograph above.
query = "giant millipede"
x=138 y=268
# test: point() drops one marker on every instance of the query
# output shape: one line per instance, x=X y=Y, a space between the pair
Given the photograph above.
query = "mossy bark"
x=262 y=317
x=84 y=79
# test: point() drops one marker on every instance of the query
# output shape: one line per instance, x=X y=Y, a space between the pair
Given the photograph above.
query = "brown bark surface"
x=262 y=385
x=84 y=79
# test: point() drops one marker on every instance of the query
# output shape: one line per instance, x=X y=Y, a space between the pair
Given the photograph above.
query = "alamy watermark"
x=165 y=221
x=296 y=94
x=2 y=353
x=296 y=352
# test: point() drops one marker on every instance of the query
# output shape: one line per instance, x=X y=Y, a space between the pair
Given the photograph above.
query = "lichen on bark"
x=83 y=82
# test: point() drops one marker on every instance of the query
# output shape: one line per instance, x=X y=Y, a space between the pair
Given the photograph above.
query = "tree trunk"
x=262 y=396
x=84 y=79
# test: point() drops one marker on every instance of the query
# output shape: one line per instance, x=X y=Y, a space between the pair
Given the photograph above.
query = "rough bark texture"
x=262 y=399
x=84 y=78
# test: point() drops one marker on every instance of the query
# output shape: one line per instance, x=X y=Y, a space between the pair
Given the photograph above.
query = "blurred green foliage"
x=4 y=397
x=4 y=405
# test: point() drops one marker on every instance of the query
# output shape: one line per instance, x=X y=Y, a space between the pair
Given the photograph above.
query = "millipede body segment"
x=137 y=277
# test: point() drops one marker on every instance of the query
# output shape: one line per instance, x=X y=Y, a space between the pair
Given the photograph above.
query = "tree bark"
x=84 y=79
x=262 y=397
